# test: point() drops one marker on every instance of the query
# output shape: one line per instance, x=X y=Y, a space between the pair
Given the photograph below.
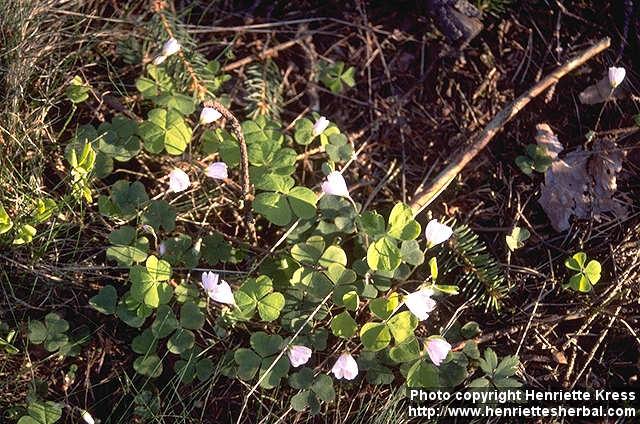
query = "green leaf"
x=383 y=255
x=302 y=379
x=402 y=325
x=165 y=130
x=105 y=301
x=178 y=250
x=402 y=226
x=215 y=249
x=128 y=197
x=411 y=252
x=179 y=102
x=303 y=202
x=265 y=344
x=372 y=223
x=37 y=332
x=181 y=341
x=24 y=235
x=303 y=131
x=160 y=214
x=384 y=307
x=191 y=317
x=150 y=365
x=517 y=238
x=248 y=363
x=423 y=374
x=78 y=90
x=408 y=350
x=269 y=307
x=144 y=343
x=129 y=317
x=274 y=207
x=576 y=262
x=470 y=330
x=303 y=400
x=159 y=270
x=165 y=322
x=277 y=373
x=350 y=300
x=118 y=139
x=308 y=252
x=375 y=336
x=592 y=271
x=323 y=387
x=5 y=221
x=580 y=282
x=343 y=325
x=42 y=413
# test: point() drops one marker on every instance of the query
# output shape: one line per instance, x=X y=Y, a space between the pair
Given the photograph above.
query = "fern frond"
x=264 y=90
x=467 y=261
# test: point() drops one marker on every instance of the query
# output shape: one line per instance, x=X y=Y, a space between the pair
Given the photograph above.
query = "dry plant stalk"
x=480 y=141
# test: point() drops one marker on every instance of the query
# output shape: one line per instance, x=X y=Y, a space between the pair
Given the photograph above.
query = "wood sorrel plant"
x=350 y=286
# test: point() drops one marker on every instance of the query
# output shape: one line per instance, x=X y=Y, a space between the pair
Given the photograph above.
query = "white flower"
x=218 y=290
x=335 y=185
x=209 y=115
x=437 y=233
x=437 y=348
x=299 y=355
x=170 y=47
x=345 y=367
x=178 y=180
x=616 y=76
x=159 y=59
x=87 y=418
x=217 y=170
x=321 y=124
x=420 y=303
x=162 y=248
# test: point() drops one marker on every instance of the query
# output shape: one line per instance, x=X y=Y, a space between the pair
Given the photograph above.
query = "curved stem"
x=247 y=191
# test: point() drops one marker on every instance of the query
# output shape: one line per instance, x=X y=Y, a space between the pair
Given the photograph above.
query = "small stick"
x=264 y=55
x=247 y=192
x=480 y=141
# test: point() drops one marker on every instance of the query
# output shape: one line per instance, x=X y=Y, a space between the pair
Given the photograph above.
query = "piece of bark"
x=458 y=20
x=583 y=185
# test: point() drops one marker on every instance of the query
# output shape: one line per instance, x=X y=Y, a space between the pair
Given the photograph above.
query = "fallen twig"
x=423 y=198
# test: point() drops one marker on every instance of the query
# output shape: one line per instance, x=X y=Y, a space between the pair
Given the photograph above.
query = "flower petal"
x=335 y=185
x=420 y=303
x=437 y=233
x=209 y=115
x=170 y=47
x=178 y=180
x=616 y=76
x=345 y=367
x=299 y=355
x=320 y=126
x=438 y=349
x=217 y=170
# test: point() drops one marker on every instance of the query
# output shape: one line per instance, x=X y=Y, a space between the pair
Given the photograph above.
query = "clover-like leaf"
x=372 y=223
x=149 y=365
x=42 y=413
x=516 y=239
x=407 y=351
x=402 y=226
x=248 y=363
x=144 y=343
x=303 y=131
x=215 y=249
x=402 y=325
x=384 y=307
x=105 y=301
x=265 y=344
x=423 y=374
x=384 y=255
x=375 y=336
x=191 y=317
x=118 y=139
x=78 y=90
x=164 y=323
x=5 y=221
x=165 y=130
x=128 y=197
x=181 y=341
x=160 y=214
x=343 y=325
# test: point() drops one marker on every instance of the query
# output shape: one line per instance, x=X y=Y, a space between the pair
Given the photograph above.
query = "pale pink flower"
x=616 y=76
x=209 y=115
x=218 y=290
x=335 y=184
x=217 y=170
x=345 y=367
x=299 y=355
x=420 y=303
x=162 y=248
x=178 y=180
x=438 y=349
x=437 y=233
x=321 y=124
x=87 y=418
